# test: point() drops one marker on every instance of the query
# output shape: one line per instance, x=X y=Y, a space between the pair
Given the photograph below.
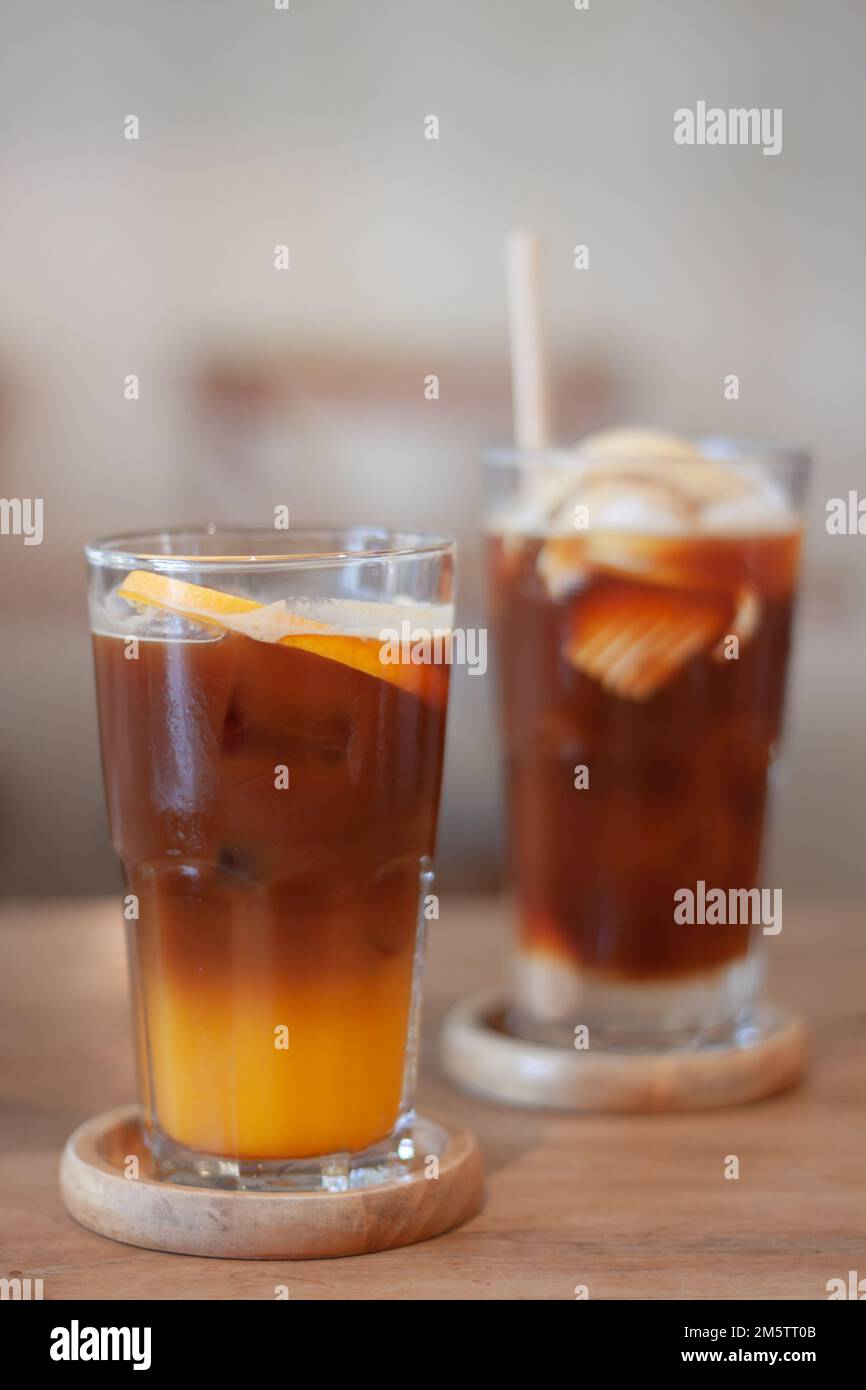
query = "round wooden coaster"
x=482 y=1057
x=258 y=1225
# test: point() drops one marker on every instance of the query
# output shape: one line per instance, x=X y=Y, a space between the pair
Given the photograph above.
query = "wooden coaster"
x=258 y=1225
x=482 y=1057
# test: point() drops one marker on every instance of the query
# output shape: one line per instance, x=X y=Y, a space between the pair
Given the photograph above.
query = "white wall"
x=306 y=127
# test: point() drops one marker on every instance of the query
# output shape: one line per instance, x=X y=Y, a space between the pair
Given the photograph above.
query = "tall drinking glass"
x=272 y=778
x=643 y=590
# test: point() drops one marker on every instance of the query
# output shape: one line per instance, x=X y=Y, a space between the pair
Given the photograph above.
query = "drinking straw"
x=529 y=394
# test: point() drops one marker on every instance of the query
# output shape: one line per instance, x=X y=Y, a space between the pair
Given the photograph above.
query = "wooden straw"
x=528 y=369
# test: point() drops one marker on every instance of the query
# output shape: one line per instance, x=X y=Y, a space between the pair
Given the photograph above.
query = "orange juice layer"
x=255 y=1055
x=222 y=1087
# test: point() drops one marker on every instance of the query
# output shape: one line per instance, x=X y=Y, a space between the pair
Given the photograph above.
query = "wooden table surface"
x=632 y=1207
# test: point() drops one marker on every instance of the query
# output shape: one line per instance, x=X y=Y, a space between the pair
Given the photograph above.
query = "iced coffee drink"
x=272 y=787
x=643 y=588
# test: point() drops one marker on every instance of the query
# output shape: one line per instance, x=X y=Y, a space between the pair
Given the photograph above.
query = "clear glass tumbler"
x=272 y=777
x=642 y=589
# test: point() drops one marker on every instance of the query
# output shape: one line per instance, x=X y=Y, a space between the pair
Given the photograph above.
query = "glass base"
x=554 y=998
x=402 y=1153
x=742 y=1031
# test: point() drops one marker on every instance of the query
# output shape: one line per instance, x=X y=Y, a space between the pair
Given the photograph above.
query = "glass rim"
x=713 y=445
x=138 y=549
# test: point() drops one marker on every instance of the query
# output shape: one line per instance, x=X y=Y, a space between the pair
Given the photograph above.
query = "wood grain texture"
x=257 y=1225
x=633 y=1206
x=479 y=1055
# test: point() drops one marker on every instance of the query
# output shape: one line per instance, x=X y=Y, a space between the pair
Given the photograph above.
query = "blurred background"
x=305 y=387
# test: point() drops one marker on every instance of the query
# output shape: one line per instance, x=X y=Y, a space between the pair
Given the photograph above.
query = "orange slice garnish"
x=561 y=564
x=767 y=564
x=274 y=623
x=634 y=639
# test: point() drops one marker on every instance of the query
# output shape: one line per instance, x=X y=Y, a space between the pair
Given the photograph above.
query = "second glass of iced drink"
x=642 y=588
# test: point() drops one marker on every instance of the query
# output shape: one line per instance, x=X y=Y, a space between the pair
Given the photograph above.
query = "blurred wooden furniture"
x=628 y=1206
